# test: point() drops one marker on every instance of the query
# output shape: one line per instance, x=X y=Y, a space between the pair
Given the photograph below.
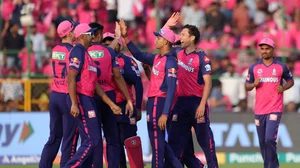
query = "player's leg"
x=89 y=132
x=260 y=122
x=205 y=136
x=56 y=132
x=111 y=133
x=179 y=128
x=272 y=125
x=98 y=152
x=188 y=158
x=70 y=133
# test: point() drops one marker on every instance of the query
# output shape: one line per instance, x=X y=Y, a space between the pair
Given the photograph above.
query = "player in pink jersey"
x=268 y=76
x=127 y=125
x=62 y=124
x=194 y=86
x=110 y=75
x=82 y=83
x=161 y=92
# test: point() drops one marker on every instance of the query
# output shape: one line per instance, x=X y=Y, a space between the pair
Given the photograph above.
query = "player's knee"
x=270 y=141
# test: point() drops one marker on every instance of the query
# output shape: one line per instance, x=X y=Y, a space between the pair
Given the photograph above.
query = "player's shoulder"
x=277 y=61
x=201 y=53
x=62 y=46
x=77 y=49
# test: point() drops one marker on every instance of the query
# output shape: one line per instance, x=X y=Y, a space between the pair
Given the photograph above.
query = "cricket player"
x=194 y=86
x=271 y=78
x=82 y=83
x=62 y=124
x=161 y=92
x=104 y=58
x=127 y=125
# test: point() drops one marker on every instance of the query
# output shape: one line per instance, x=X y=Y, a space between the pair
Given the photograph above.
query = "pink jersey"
x=267 y=98
x=191 y=69
x=119 y=96
x=82 y=62
x=104 y=57
x=60 y=60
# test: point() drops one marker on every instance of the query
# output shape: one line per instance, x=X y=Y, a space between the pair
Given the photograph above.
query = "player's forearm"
x=139 y=55
x=103 y=95
x=249 y=86
x=206 y=92
x=122 y=86
x=72 y=89
x=171 y=83
x=288 y=85
x=114 y=43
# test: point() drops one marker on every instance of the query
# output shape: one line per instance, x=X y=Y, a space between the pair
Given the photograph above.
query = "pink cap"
x=268 y=42
x=65 y=28
x=167 y=34
x=108 y=34
x=83 y=28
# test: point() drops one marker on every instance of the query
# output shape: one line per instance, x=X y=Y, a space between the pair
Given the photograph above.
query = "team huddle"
x=92 y=91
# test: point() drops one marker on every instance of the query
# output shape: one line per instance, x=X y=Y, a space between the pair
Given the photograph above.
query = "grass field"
x=148 y=166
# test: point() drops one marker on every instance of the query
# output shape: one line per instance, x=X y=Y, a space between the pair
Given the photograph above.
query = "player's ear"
x=192 y=38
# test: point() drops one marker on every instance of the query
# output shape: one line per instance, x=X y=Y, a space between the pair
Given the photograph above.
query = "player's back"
x=105 y=62
x=191 y=67
x=60 y=60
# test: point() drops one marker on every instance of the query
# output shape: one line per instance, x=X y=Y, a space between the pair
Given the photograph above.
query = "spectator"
x=13 y=42
x=215 y=19
x=24 y=55
x=192 y=14
x=10 y=106
x=233 y=86
x=292 y=96
x=2 y=106
x=217 y=101
x=241 y=17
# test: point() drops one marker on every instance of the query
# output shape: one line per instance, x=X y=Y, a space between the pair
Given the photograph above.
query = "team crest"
x=190 y=61
x=259 y=71
x=174 y=118
x=274 y=71
x=91 y=114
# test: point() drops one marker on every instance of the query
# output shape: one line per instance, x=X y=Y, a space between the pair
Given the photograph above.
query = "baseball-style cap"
x=83 y=28
x=111 y=35
x=65 y=28
x=167 y=34
x=268 y=42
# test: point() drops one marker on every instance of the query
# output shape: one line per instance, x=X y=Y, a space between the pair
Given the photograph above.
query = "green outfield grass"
x=291 y=165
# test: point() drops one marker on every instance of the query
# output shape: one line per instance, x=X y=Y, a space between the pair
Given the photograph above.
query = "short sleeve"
x=205 y=64
x=287 y=74
x=250 y=75
x=76 y=59
x=114 y=61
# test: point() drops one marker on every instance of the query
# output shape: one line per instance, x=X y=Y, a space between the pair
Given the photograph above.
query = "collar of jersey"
x=96 y=43
x=65 y=44
x=274 y=62
x=189 y=53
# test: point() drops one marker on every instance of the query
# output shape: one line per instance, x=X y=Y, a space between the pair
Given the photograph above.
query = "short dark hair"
x=193 y=31
x=98 y=26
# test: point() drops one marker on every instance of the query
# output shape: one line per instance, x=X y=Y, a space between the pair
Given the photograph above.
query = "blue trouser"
x=160 y=148
x=89 y=129
x=183 y=118
x=267 y=129
x=62 y=126
x=127 y=128
x=111 y=135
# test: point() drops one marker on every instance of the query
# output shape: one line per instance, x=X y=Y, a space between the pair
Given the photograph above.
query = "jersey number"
x=63 y=72
x=98 y=69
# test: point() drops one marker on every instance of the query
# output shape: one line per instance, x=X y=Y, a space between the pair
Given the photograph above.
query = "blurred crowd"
x=230 y=31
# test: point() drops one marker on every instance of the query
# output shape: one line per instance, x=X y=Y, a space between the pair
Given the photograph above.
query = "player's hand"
x=74 y=110
x=256 y=82
x=138 y=114
x=116 y=109
x=118 y=31
x=129 y=108
x=162 y=122
x=280 y=89
x=173 y=20
x=200 y=111
x=123 y=27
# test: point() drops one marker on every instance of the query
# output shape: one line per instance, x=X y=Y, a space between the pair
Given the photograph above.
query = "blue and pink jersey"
x=82 y=62
x=104 y=58
x=60 y=60
x=131 y=74
x=191 y=68
x=267 y=98
x=163 y=76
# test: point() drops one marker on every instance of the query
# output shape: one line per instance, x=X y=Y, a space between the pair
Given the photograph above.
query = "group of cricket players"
x=92 y=92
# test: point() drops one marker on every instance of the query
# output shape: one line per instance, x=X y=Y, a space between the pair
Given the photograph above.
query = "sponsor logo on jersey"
x=96 y=53
x=207 y=67
x=58 y=55
x=269 y=79
x=187 y=68
x=75 y=62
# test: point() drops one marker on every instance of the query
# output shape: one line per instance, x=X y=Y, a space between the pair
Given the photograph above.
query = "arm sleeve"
x=139 y=55
x=114 y=61
x=250 y=76
x=76 y=59
x=287 y=74
x=205 y=64
x=138 y=85
x=171 y=77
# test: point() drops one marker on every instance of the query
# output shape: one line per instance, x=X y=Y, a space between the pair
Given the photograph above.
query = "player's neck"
x=268 y=62
x=67 y=41
x=164 y=50
x=190 y=48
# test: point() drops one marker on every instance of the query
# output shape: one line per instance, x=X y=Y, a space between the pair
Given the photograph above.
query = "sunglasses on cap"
x=88 y=33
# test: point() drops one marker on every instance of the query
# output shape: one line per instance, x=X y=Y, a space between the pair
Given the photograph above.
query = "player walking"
x=268 y=76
